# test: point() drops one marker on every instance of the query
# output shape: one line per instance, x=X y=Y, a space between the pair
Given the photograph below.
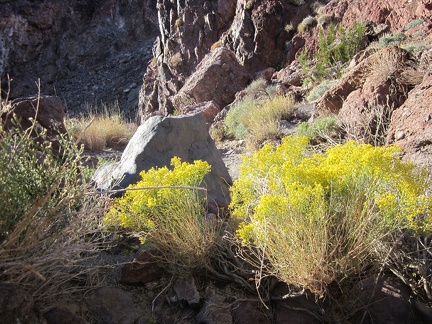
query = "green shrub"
x=318 y=218
x=257 y=120
x=169 y=212
x=321 y=129
x=392 y=39
x=320 y=89
x=30 y=169
x=305 y=24
x=336 y=48
x=414 y=23
x=50 y=231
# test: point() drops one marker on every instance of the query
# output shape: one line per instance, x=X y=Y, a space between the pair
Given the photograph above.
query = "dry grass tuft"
x=107 y=129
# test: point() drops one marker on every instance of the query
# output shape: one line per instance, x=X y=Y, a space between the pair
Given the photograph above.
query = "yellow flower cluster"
x=277 y=183
x=139 y=210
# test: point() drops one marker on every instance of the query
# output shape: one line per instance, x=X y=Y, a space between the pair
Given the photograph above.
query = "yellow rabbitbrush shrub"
x=318 y=218
x=169 y=212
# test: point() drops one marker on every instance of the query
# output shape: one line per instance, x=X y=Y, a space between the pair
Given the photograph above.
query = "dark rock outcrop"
x=187 y=31
x=160 y=139
x=77 y=48
x=47 y=110
x=255 y=31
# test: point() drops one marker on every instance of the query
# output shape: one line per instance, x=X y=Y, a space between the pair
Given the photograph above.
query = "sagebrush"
x=318 y=217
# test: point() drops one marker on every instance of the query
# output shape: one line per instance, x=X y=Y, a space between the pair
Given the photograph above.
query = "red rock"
x=411 y=124
x=217 y=78
x=209 y=109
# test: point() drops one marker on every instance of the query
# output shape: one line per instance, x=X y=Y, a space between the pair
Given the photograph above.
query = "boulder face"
x=77 y=48
x=160 y=139
x=395 y=13
x=411 y=124
x=48 y=110
x=217 y=78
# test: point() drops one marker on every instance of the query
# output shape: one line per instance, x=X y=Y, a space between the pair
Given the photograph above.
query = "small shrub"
x=306 y=23
x=392 y=39
x=414 y=47
x=50 y=231
x=320 y=89
x=319 y=218
x=319 y=130
x=249 y=4
x=257 y=120
x=288 y=28
x=256 y=89
x=176 y=60
x=324 y=20
x=169 y=213
x=179 y=22
x=316 y=7
x=414 y=23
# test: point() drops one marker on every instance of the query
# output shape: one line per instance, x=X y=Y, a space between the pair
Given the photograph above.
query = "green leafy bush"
x=50 y=230
x=169 y=212
x=321 y=129
x=31 y=169
x=318 y=218
x=256 y=120
x=320 y=89
x=337 y=46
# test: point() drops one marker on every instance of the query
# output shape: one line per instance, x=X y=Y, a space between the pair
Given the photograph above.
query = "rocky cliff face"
x=82 y=50
x=254 y=30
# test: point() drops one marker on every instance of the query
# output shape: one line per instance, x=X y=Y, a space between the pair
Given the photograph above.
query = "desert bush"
x=305 y=24
x=176 y=60
x=169 y=212
x=257 y=120
x=414 y=23
x=102 y=128
x=288 y=28
x=319 y=218
x=179 y=22
x=320 y=89
x=324 y=20
x=50 y=231
x=316 y=7
x=320 y=130
x=395 y=39
x=336 y=48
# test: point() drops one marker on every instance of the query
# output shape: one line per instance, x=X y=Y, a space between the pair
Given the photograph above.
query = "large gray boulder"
x=156 y=142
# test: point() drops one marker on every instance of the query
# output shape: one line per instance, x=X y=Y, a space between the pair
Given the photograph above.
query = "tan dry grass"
x=102 y=130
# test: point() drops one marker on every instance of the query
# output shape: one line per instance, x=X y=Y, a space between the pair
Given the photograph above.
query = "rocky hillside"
x=86 y=52
x=205 y=54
